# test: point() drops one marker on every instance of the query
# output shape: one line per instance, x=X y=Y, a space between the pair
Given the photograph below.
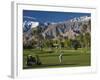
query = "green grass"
x=49 y=57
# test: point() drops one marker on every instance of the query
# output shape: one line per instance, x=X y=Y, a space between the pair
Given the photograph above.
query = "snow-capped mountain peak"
x=34 y=24
x=79 y=19
x=27 y=25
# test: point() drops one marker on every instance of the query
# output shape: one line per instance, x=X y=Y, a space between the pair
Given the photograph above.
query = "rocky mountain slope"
x=33 y=30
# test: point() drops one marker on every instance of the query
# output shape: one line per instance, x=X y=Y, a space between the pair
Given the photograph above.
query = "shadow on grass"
x=49 y=66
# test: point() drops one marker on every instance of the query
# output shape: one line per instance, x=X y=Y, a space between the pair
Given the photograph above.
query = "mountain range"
x=32 y=30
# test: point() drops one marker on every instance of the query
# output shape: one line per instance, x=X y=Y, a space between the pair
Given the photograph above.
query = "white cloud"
x=29 y=17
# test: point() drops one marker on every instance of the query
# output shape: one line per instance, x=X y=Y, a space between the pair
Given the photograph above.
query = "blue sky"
x=49 y=16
